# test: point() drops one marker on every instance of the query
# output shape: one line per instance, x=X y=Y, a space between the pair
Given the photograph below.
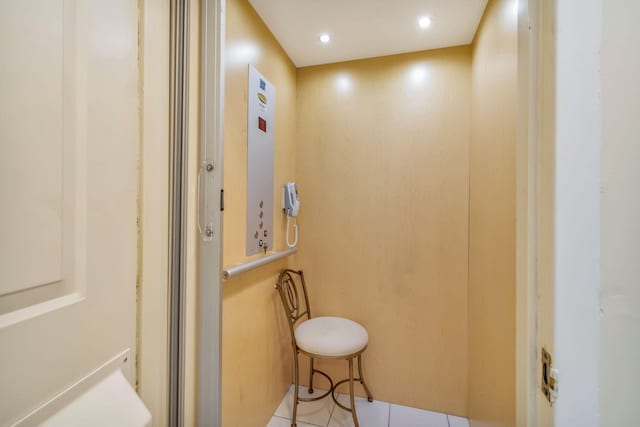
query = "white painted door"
x=68 y=191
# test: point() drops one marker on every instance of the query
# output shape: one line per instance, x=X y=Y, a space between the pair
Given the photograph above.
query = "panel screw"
x=208 y=232
x=209 y=167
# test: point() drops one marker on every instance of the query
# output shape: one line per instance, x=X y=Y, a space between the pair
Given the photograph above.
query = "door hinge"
x=549 y=382
x=222 y=200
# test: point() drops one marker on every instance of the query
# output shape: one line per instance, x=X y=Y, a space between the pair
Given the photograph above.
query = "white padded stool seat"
x=331 y=336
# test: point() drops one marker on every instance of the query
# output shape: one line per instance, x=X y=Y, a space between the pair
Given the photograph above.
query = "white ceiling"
x=366 y=28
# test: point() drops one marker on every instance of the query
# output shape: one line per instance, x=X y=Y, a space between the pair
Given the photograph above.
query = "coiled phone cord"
x=295 y=232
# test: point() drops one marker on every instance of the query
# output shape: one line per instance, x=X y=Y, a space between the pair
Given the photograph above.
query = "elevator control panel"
x=261 y=104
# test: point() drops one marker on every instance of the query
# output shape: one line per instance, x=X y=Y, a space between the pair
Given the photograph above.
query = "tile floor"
x=325 y=413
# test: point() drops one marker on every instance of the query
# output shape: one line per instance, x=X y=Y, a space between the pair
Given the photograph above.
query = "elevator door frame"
x=212 y=13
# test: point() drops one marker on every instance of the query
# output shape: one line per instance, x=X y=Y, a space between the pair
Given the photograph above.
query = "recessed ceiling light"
x=325 y=38
x=424 y=22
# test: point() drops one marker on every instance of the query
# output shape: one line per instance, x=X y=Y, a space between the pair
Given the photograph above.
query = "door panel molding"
x=42 y=258
x=39 y=415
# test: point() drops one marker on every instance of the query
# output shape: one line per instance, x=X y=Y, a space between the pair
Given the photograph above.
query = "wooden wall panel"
x=256 y=356
x=382 y=167
x=492 y=218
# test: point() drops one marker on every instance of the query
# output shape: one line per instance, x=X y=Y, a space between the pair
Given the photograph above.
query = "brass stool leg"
x=296 y=380
x=362 y=381
x=311 y=376
x=351 y=395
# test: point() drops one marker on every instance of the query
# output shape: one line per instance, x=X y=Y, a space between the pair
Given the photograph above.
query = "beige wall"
x=382 y=167
x=492 y=218
x=620 y=210
x=546 y=251
x=256 y=350
x=153 y=210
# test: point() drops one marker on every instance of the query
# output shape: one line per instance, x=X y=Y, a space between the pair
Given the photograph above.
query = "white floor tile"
x=285 y=422
x=317 y=412
x=403 y=416
x=374 y=414
x=458 y=421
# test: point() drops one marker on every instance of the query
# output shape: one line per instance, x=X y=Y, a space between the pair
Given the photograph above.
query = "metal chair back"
x=293 y=294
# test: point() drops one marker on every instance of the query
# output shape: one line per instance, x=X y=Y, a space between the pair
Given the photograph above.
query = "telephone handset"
x=291 y=199
x=291 y=206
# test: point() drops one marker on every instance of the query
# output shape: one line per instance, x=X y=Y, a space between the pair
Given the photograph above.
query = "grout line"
x=333 y=408
x=289 y=419
x=448 y=421
x=389 y=416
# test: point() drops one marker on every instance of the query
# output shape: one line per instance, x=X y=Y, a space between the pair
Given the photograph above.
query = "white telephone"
x=291 y=205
